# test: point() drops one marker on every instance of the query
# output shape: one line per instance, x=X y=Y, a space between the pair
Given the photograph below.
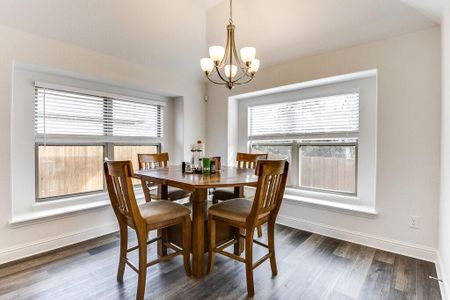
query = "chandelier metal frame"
x=230 y=68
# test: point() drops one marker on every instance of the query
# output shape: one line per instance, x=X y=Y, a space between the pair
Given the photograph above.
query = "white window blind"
x=69 y=113
x=331 y=114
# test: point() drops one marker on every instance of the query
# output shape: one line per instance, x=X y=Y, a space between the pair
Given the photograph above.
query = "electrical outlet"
x=414 y=222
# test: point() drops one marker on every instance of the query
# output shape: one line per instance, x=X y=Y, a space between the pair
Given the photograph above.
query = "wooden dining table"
x=199 y=184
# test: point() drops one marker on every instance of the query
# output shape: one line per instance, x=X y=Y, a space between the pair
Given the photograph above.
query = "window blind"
x=331 y=114
x=68 y=113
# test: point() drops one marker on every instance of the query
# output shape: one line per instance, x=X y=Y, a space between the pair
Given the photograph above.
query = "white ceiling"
x=284 y=30
x=171 y=34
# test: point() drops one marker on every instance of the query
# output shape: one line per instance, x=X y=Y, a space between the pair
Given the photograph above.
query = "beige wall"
x=17 y=46
x=444 y=209
x=408 y=138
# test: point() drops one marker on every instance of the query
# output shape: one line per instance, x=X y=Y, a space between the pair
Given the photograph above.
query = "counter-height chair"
x=244 y=160
x=152 y=215
x=158 y=160
x=246 y=215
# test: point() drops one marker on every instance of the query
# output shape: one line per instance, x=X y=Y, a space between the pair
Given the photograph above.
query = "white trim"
x=52 y=243
x=307 y=84
x=334 y=205
x=391 y=245
x=440 y=270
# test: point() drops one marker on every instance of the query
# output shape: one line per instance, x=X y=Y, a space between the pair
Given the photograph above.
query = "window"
x=75 y=132
x=319 y=136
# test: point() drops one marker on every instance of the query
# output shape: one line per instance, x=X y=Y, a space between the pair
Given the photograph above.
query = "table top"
x=226 y=177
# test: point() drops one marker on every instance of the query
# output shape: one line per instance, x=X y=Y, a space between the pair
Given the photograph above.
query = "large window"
x=318 y=136
x=75 y=132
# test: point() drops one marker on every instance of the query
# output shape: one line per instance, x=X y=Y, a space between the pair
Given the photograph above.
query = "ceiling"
x=285 y=30
x=167 y=34
x=174 y=34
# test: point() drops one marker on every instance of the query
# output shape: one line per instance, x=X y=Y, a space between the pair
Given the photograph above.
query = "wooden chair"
x=158 y=160
x=152 y=215
x=245 y=214
x=244 y=160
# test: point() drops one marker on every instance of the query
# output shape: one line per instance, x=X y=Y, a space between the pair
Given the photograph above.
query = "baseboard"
x=52 y=243
x=407 y=249
x=441 y=274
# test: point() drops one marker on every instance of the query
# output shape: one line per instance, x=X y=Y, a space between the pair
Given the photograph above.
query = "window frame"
x=295 y=145
x=108 y=153
x=364 y=82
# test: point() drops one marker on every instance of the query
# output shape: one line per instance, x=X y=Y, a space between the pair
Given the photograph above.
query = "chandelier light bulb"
x=216 y=53
x=248 y=54
x=207 y=65
x=233 y=70
x=254 y=66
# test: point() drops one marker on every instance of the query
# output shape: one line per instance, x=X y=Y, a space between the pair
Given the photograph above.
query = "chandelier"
x=224 y=66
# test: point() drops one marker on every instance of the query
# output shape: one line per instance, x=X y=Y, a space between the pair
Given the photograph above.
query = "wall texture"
x=17 y=46
x=408 y=136
x=444 y=209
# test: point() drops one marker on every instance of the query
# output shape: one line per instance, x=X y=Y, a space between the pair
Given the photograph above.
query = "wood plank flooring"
x=310 y=266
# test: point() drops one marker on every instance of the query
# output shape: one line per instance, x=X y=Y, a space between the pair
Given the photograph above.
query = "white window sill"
x=293 y=196
x=60 y=208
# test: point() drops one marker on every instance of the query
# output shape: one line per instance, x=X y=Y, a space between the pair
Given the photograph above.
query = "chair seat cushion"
x=228 y=193
x=234 y=209
x=158 y=211
x=174 y=194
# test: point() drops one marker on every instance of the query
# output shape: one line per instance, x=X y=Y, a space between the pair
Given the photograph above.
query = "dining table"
x=198 y=185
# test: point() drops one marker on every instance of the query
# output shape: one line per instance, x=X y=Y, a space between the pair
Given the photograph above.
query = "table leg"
x=239 y=246
x=198 y=231
x=163 y=191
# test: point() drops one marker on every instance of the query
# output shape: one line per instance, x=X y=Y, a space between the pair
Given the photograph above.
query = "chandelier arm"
x=244 y=82
x=221 y=76
x=237 y=58
x=215 y=82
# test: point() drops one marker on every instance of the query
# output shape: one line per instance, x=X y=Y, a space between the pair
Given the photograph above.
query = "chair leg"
x=142 y=242
x=187 y=245
x=259 y=228
x=271 y=244
x=123 y=251
x=212 y=243
x=249 y=261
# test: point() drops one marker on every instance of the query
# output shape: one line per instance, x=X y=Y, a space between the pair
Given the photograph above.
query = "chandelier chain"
x=231 y=12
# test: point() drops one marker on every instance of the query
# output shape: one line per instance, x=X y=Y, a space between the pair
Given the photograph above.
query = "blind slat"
x=332 y=114
x=69 y=113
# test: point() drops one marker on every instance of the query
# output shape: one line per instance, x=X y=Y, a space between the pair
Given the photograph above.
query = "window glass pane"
x=328 y=167
x=65 y=170
x=274 y=151
x=130 y=152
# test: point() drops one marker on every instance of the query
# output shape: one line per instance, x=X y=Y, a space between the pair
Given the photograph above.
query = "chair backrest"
x=272 y=178
x=249 y=160
x=152 y=161
x=121 y=193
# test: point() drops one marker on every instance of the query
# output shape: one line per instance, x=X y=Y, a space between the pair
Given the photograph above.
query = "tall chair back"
x=272 y=177
x=152 y=161
x=121 y=193
x=249 y=160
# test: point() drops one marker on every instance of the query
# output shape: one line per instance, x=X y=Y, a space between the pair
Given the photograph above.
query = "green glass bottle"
x=206 y=165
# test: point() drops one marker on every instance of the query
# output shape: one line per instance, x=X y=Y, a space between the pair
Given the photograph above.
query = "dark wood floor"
x=310 y=266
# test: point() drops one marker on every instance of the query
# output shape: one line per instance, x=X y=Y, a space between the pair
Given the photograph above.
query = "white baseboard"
x=404 y=248
x=51 y=243
x=440 y=269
